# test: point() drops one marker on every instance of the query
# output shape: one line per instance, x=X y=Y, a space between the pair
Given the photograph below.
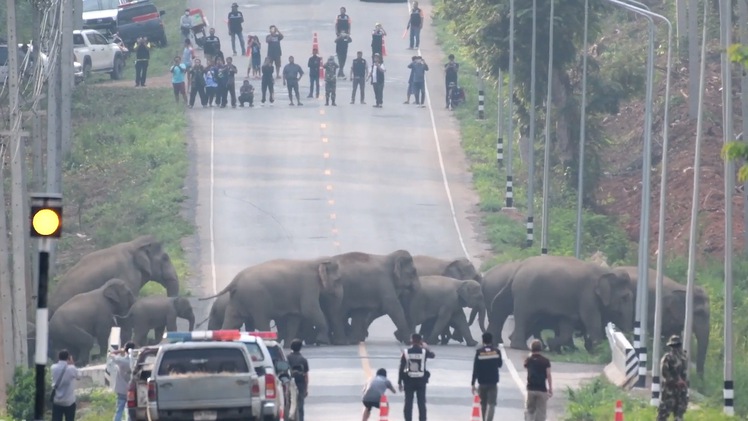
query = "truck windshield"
x=276 y=353
x=202 y=361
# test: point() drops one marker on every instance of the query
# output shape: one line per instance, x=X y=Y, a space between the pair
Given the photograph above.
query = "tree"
x=738 y=151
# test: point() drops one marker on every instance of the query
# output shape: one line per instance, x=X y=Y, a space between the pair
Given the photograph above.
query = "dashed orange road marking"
x=331 y=202
x=328 y=172
x=326 y=155
x=364 y=359
x=333 y=216
x=324 y=140
x=329 y=187
x=323 y=126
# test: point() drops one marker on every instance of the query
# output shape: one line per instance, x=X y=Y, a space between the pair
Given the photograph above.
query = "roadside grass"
x=124 y=176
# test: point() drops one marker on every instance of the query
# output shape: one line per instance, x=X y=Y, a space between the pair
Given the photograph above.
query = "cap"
x=331 y=58
x=234 y=5
x=674 y=341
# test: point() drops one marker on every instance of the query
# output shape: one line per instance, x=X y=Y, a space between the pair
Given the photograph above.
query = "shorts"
x=369 y=405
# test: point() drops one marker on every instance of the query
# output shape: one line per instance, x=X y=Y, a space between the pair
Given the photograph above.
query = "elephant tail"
x=202 y=322
x=229 y=288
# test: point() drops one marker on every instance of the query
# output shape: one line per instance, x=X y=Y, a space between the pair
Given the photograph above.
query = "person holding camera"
x=64 y=375
x=413 y=376
x=142 y=57
x=121 y=359
x=273 y=39
x=419 y=69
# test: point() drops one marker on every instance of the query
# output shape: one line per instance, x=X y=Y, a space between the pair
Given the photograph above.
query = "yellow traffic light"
x=45 y=222
x=46 y=215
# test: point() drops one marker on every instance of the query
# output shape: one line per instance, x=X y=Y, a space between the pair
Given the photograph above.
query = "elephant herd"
x=101 y=291
x=334 y=299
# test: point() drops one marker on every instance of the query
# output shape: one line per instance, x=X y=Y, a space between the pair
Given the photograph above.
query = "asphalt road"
x=299 y=182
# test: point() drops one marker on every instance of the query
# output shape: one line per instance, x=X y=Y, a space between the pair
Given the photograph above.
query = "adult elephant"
x=280 y=288
x=494 y=281
x=136 y=262
x=674 y=311
x=157 y=313
x=374 y=284
x=442 y=299
x=565 y=287
x=88 y=318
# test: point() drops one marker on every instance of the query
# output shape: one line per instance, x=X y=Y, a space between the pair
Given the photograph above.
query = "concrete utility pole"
x=693 y=58
x=510 y=122
x=727 y=131
x=547 y=149
x=6 y=297
x=582 y=140
x=18 y=187
x=743 y=17
x=531 y=152
x=499 y=125
x=692 y=233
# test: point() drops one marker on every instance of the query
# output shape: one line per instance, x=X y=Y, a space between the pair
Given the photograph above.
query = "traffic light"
x=46 y=215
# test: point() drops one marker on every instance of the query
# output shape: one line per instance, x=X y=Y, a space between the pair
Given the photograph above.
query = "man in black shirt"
x=142 y=56
x=538 y=373
x=486 y=367
x=450 y=74
x=292 y=73
x=359 y=73
x=211 y=46
x=413 y=376
x=342 y=23
x=300 y=372
x=314 y=63
x=274 y=53
x=341 y=48
x=236 y=18
x=231 y=71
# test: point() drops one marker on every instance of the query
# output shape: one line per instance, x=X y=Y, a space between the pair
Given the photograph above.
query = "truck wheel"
x=162 y=42
x=86 y=69
x=119 y=66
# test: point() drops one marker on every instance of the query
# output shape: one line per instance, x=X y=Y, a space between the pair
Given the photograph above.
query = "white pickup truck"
x=97 y=54
x=202 y=381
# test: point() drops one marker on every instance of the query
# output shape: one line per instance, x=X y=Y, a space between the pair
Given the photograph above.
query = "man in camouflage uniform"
x=330 y=83
x=674 y=390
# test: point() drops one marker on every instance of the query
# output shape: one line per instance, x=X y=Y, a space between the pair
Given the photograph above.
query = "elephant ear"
x=142 y=260
x=328 y=274
x=603 y=288
x=463 y=293
x=182 y=305
x=403 y=262
x=111 y=292
x=456 y=269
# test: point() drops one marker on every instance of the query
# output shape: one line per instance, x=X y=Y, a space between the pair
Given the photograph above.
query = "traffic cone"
x=476 y=409
x=384 y=408
x=619 y=411
x=315 y=44
x=384 y=50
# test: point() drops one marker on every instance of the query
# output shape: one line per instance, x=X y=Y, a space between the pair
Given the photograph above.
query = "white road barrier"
x=623 y=367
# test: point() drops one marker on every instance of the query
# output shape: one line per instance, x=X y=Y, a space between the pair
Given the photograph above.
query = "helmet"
x=674 y=341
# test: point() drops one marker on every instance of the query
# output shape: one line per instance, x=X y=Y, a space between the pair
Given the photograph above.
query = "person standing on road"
x=231 y=71
x=210 y=85
x=292 y=73
x=415 y=23
x=221 y=76
x=359 y=73
x=178 y=72
x=64 y=374
x=450 y=75
x=188 y=56
x=142 y=56
x=185 y=24
x=341 y=48
x=121 y=360
x=197 y=83
x=486 y=367
x=236 y=18
x=410 y=80
x=374 y=390
x=267 y=80
x=275 y=53
x=342 y=22
x=538 y=374
x=673 y=372
x=377 y=40
x=419 y=68
x=330 y=81
x=300 y=372
x=413 y=376
x=314 y=64
x=211 y=45
x=377 y=80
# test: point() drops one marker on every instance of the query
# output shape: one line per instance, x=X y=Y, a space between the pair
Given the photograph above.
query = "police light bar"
x=271 y=336
x=203 y=335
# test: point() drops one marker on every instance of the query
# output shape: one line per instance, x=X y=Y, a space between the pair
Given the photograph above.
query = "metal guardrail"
x=623 y=354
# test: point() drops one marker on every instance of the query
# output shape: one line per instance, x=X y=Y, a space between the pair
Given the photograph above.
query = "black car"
x=140 y=19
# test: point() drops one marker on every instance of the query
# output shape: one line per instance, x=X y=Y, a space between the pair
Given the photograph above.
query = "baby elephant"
x=158 y=313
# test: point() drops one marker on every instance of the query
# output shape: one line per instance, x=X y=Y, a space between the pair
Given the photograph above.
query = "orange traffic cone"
x=619 y=411
x=315 y=44
x=476 y=409
x=384 y=50
x=384 y=408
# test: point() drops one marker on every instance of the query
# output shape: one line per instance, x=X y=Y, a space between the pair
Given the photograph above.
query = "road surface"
x=300 y=182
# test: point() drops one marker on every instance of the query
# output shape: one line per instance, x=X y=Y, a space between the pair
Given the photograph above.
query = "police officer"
x=212 y=46
x=486 y=371
x=413 y=376
x=359 y=74
x=674 y=396
x=236 y=18
x=342 y=22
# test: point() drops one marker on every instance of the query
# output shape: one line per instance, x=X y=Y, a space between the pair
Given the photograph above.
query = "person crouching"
x=246 y=94
x=374 y=390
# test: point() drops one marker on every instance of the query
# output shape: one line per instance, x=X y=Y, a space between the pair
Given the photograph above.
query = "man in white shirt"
x=121 y=359
x=377 y=79
x=64 y=374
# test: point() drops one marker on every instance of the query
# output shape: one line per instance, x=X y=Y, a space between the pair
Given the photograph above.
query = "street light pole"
x=531 y=152
x=582 y=140
x=547 y=151
x=510 y=125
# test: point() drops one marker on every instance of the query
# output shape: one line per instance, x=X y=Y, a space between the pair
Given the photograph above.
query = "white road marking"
x=212 y=195
x=509 y=365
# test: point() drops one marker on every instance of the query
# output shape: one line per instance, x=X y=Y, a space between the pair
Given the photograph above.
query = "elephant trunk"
x=191 y=320
x=170 y=280
x=701 y=330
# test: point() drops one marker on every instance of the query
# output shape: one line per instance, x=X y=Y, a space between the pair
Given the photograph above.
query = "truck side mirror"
x=282 y=366
x=161 y=12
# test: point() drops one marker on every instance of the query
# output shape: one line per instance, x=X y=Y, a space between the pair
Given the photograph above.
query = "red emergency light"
x=271 y=336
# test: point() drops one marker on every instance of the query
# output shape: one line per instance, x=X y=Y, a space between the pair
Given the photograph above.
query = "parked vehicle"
x=137 y=394
x=77 y=67
x=97 y=54
x=101 y=15
x=140 y=19
x=202 y=381
x=283 y=372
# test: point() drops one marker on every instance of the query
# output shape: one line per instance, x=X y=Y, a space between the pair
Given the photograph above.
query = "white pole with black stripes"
x=481 y=96
x=500 y=126
x=547 y=151
x=510 y=113
x=531 y=150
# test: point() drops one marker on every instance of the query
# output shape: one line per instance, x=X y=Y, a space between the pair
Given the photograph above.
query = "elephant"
x=88 y=318
x=443 y=298
x=278 y=288
x=373 y=284
x=563 y=287
x=155 y=313
x=674 y=311
x=135 y=262
x=493 y=282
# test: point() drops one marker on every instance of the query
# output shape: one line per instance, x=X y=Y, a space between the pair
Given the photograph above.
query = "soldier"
x=674 y=395
x=330 y=83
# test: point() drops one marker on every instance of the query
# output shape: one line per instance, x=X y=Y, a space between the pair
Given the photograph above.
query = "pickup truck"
x=202 y=381
x=97 y=54
x=137 y=393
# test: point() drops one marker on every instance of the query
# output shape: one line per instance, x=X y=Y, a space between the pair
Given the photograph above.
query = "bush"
x=21 y=394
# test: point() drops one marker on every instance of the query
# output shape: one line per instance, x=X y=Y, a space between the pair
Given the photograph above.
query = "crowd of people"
x=215 y=80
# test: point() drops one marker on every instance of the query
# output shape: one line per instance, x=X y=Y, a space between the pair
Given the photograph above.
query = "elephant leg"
x=292 y=323
x=359 y=320
x=81 y=343
x=158 y=332
x=442 y=322
x=234 y=319
x=312 y=312
x=141 y=335
x=455 y=335
x=462 y=327
x=565 y=335
x=518 y=338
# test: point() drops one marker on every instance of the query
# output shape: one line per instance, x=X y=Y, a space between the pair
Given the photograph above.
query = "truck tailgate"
x=198 y=391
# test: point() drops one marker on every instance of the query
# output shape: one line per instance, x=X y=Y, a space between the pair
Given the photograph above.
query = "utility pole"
x=727 y=131
x=6 y=297
x=582 y=138
x=531 y=152
x=743 y=17
x=68 y=81
x=693 y=58
x=510 y=123
x=547 y=151
x=18 y=187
